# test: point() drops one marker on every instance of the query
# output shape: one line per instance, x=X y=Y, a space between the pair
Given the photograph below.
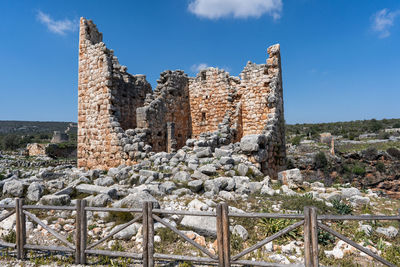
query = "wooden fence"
x=148 y=215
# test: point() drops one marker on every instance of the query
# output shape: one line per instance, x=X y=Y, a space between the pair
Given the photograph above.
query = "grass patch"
x=346 y=148
x=10 y=237
x=119 y=217
x=298 y=203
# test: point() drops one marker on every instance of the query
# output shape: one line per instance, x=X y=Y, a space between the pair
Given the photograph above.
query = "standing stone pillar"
x=333 y=146
x=171 y=141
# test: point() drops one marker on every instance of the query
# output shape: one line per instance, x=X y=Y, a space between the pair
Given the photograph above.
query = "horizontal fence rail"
x=80 y=248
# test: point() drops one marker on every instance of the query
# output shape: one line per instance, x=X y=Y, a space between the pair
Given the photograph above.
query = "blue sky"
x=340 y=58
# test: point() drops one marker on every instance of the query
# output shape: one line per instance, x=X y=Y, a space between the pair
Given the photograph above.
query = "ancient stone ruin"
x=121 y=119
x=59 y=137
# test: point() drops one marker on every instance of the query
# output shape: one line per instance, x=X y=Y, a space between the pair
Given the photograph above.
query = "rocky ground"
x=197 y=177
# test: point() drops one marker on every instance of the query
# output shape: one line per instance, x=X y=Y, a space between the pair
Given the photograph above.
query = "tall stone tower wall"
x=107 y=100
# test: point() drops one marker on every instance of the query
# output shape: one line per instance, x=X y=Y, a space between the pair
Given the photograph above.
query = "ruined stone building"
x=120 y=117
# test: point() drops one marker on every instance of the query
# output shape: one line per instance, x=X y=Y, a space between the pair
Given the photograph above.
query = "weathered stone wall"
x=213 y=94
x=121 y=119
x=103 y=109
x=51 y=150
x=168 y=104
x=36 y=149
x=262 y=112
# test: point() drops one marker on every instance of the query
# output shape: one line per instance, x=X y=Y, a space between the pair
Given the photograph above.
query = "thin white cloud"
x=202 y=66
x=57 y=26
x=199 y=67
x=383 y=20
x=215 y=9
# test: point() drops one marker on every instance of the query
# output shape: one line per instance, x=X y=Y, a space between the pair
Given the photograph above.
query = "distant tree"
x=11 y=142
x=320 y=160
x=396 y=125
x=44 y=136
x=375 y=125
x=296 y=140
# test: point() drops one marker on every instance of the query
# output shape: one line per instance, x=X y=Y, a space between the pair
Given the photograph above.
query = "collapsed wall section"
x=167 y=108
x=253 y=104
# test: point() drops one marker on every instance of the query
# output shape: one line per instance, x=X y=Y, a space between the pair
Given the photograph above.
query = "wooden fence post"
x=20 y=228
x=226 y=235
x=399 y=215
x=83 y=237
x=150 y=224
x=307 y=238
x=314 y=236
x=220 y=241
x=17 y=228
x=145 y=232
x=78 y=231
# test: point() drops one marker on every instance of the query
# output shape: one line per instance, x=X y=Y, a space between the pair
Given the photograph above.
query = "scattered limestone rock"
x=349 y=192
x=56 y=200
x=128 y=232
x=136 y=200
x=182 y=177
x=292 y=178
x=359 y=200
x=196 y=204
x=367 y=229
x=389 y=232
x=104 y=181
x=167 y=187
x=35 y=191
x=100 y=200
x=202 y=225
x=96 y=189
x=14 y=188
x=240 y=231
x=195 y=185
x=208 y=169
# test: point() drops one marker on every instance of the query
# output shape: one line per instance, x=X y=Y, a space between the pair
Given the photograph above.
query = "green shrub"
x=375 y=125
x=296 y=140
x=167 y=236
x=394 y=152
x=116 y=246
x=325 y=238
x=380 y=167
x=392 y=254
x=358 y=169
x=384 y=135
x=341 y=208
x=11 y=237
x=346 y=168
x=185 y=264
x=236 y=243
x=11 y=142
x=271 y=226
x=320 y=160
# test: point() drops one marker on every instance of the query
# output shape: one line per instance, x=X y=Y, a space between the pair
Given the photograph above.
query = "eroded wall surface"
x=107 y=100
x=213 y=95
